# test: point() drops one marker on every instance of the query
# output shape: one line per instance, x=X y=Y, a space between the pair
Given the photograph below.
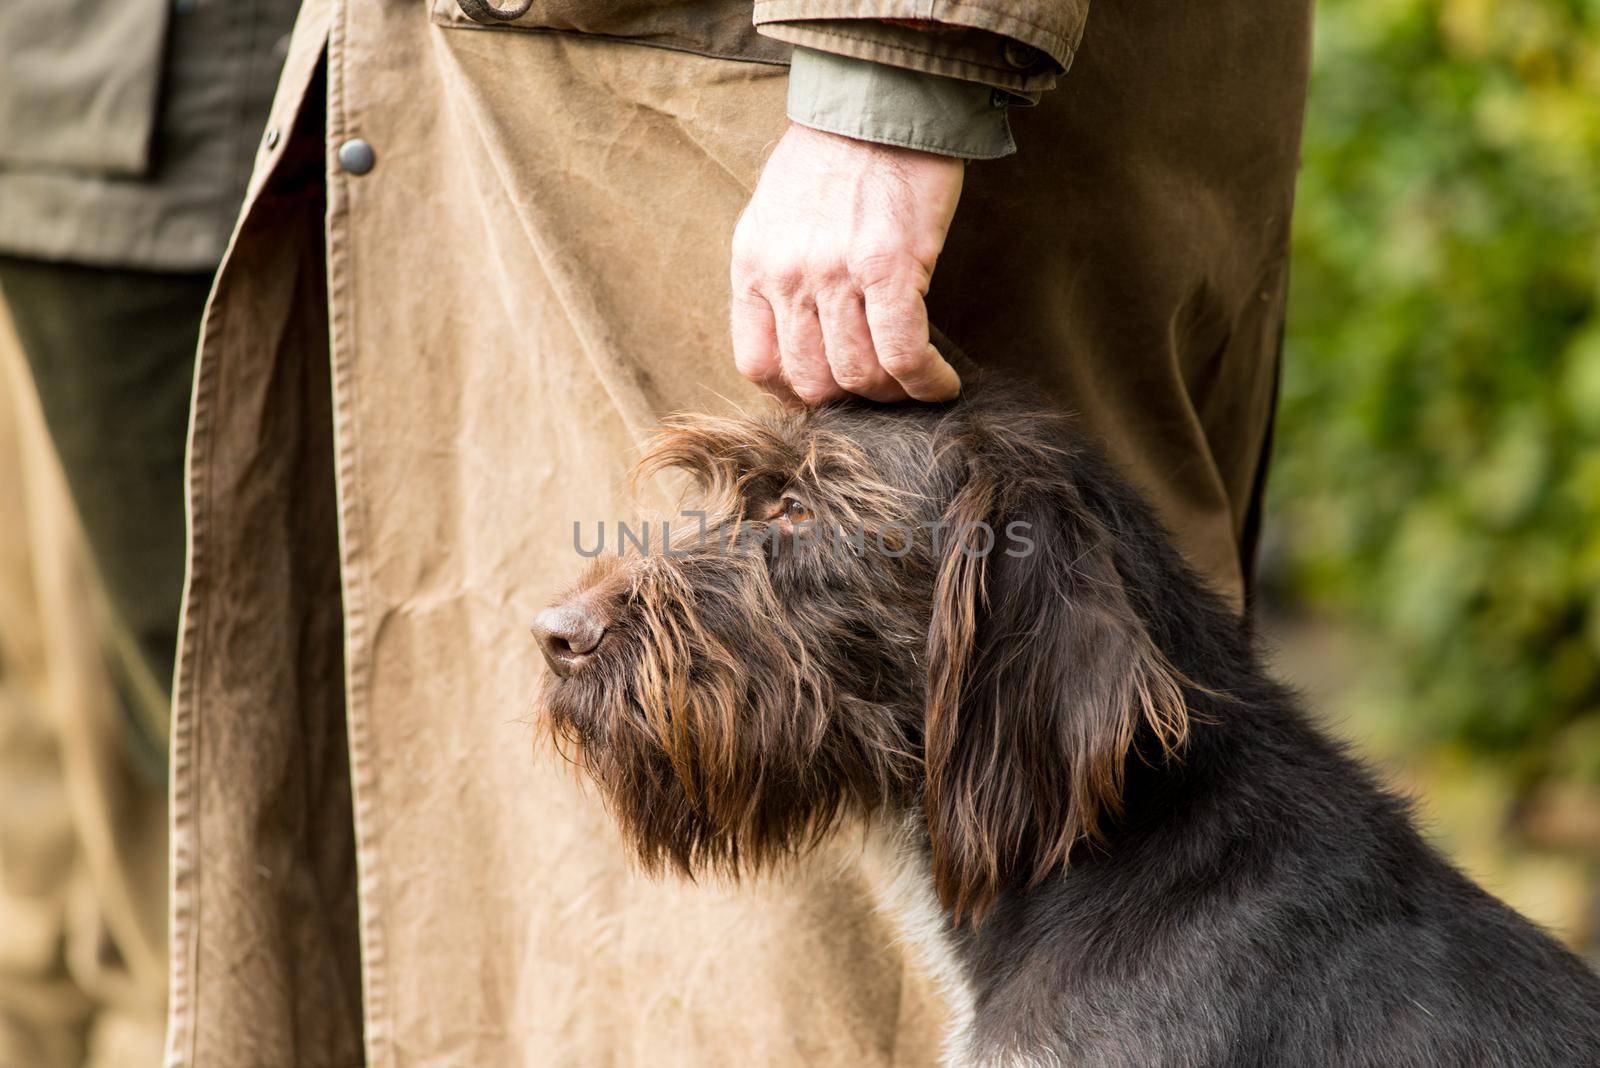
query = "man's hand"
x=831 y=260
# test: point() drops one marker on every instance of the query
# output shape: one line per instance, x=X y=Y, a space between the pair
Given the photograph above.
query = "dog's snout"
x=568 y=633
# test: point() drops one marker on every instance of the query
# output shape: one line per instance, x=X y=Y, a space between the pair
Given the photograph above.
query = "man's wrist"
x=895 y=106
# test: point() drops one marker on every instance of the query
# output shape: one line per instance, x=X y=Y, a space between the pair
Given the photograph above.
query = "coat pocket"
x=719 y=28
x=79 y=83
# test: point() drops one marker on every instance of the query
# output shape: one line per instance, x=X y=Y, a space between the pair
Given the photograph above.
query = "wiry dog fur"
x=1128 y=844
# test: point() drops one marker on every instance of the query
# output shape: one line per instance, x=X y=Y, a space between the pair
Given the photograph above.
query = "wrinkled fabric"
x=717 y=28
x=1017 y=45
x=415 y=380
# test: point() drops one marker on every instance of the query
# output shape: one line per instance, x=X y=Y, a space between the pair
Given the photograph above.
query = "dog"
x=1114 y=837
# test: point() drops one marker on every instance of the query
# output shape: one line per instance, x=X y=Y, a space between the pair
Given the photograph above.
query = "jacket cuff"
x=1022 y=47
x=894 y=106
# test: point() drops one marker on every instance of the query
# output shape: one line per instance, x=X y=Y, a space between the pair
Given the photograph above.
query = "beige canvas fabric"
x=414 y=381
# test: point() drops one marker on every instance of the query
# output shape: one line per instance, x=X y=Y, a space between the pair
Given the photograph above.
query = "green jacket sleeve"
x=896 y=106
x=1021 y=46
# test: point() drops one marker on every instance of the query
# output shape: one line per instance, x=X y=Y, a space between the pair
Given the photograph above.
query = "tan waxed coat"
x=414 y=381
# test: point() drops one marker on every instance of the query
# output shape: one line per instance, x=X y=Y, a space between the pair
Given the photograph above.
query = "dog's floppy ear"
x=1041 y=674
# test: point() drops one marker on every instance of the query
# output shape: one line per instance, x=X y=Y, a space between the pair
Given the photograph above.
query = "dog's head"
x=881 y=607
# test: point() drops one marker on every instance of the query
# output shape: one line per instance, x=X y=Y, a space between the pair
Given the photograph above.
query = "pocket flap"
x=79 y=83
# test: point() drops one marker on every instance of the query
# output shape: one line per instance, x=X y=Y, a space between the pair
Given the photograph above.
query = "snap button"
x=272 y=138
x=356 y=156
x=1020 y=55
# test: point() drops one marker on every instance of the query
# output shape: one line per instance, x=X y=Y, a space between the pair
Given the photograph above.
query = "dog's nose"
x=567 y=634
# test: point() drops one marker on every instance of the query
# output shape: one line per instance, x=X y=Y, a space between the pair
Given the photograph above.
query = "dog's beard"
x=700 y=807
x=719 y=739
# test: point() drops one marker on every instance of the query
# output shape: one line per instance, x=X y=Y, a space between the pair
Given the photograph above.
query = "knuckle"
x=856 y=375
x=879 y=264
x=903 y=362
x=786 y=280
x=747 y=299
x=856 y=383
x=893 y=302
x=828 y=265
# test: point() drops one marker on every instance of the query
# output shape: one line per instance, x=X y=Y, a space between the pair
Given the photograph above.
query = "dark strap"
x=486 y=13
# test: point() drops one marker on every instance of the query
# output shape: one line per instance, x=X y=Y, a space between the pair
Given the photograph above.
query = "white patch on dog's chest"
x=896 y=864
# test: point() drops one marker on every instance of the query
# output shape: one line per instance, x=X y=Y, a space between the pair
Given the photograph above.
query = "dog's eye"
x=793 y=510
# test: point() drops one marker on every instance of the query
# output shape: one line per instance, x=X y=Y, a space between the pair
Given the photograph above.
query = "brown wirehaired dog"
x=1118 y=839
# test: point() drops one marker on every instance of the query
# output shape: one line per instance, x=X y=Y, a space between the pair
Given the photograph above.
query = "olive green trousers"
x=94 y=388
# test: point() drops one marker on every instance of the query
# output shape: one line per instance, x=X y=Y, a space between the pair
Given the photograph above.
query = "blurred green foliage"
x=1437 y=473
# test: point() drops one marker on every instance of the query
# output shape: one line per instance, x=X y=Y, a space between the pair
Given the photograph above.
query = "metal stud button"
x=272 y=138
x=356 y=156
